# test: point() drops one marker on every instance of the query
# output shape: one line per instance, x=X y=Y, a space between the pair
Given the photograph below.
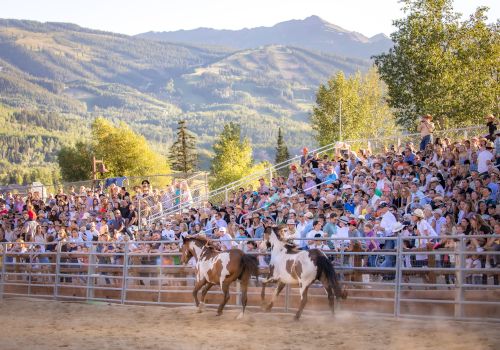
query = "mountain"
x=56 y=77
x=311 y=33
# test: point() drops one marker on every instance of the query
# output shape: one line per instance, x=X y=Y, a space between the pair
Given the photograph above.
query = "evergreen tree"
x=442 y=66
x=183 y=156
x=282 y=153
x=233 y=156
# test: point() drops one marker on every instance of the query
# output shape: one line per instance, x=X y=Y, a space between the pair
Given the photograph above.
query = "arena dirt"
x=28 y=324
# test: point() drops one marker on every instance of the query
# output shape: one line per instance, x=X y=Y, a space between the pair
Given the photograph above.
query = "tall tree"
x=125 y=152
x=351 y=108
x=75 y=161
x=183 y=156
x=442 y=66
x=233 y=156
x=282 y=153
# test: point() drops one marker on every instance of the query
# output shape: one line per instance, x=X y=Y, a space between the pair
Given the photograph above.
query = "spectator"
x=426 y=128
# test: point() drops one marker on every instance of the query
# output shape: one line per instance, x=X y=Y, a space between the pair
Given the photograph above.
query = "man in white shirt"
x=424 y=229
x=484 y=158
x=167 y=234
x=314 y=232
x=226 y=239
x=388 y=219
x=342 y=232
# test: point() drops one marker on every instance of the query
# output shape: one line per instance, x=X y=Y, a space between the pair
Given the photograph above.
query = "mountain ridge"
x=312 y=32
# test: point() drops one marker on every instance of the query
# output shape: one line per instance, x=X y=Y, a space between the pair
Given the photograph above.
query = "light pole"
x=340 y=119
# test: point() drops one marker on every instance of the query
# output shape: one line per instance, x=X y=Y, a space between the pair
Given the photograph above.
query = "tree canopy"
x=124 y=152
x=442 y=65
x=233 y=156
x=361 y=101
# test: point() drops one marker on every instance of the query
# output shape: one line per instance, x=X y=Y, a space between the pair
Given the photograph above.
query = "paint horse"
x=218 y=267
x=289 y=265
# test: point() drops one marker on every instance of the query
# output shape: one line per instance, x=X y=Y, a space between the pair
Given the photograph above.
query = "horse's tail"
x=249 y=267
x=325 y=268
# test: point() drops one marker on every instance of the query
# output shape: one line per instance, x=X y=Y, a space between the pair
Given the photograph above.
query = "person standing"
x=492 y=126
x=425 y=128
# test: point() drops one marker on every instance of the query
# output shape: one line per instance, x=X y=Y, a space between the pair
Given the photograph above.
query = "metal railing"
x=417 y=283
x=376 y=145
x=162 y=199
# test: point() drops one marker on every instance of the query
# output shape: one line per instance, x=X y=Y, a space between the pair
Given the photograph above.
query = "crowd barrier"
x=420 y=282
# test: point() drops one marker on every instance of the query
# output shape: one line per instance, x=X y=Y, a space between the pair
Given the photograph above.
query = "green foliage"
x=124 y=152
x=360 y=101
x=282 y=153
x=183 y=156
x=76 y=162
x=24 y=175
x=233 y=156
x=442 y=66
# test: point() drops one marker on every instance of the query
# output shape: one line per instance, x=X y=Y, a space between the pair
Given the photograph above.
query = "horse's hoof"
x=240 y=316
x=218 y=314
x=296 y=317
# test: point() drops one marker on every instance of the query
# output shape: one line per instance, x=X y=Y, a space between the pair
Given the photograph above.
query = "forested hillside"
x=55 y=78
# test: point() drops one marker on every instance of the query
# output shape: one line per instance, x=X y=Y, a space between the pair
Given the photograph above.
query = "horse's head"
x=187 y=250
x=272 y=235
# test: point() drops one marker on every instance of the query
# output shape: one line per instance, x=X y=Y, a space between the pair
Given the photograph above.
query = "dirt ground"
x=28 y=324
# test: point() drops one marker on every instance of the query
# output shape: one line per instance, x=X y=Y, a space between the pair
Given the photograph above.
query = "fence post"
x=225 y=194
x=124 y=274
x=4 y=261
x=459 y=273
x=270 y=176
x=139 y=224
x=397 y=280
x=206 y=185
x=58 y=270
x=90 y=273
x=287 y=297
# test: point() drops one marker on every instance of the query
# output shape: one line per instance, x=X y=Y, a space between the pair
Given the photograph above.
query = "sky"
x=368 y=17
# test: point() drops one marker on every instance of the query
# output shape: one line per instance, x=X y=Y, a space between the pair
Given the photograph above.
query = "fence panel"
x=416 y=282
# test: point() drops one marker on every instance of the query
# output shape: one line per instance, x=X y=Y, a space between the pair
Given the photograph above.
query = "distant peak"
x=314 y=19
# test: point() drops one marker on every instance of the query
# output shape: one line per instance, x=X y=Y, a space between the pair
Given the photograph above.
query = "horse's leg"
x=197 y=287
x=225 y=290
x=244 y=298
x=303 y=299
x=204 y=294
x=329 y=291
x=277 y=292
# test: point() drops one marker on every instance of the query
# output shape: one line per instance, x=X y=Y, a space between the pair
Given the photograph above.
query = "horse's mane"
x=291 y=247
x=203 y=240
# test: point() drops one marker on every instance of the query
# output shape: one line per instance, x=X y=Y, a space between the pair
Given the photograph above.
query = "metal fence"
x=419 y=282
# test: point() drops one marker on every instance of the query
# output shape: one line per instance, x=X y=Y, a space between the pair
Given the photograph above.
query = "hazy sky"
x=368 y=17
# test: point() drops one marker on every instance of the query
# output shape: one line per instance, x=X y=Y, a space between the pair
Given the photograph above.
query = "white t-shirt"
x=482 y=160
x=388 y=220
x=312 y=233
x=168 y=234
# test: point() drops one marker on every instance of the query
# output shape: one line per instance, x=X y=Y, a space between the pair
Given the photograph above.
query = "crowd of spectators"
x=427 y=195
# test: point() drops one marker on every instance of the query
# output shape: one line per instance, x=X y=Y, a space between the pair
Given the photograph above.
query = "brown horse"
x=218 y=267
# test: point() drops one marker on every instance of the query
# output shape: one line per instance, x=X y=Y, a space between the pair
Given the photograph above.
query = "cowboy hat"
x=397 y=226
x=419 y=213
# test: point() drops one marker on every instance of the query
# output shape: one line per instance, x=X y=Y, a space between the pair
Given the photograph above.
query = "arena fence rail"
x=452 y=282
